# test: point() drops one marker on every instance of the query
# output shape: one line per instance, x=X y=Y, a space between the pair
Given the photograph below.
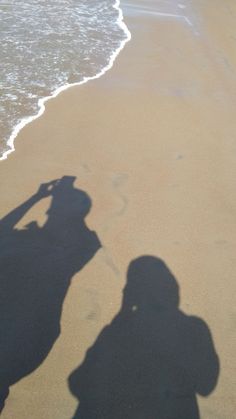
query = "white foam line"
x=171 y=15
x=42 y=101
x=185 y=18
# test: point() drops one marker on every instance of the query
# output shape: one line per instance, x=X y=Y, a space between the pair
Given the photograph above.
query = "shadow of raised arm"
x=10 y=220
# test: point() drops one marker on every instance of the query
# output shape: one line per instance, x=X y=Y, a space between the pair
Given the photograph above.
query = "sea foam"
x=48 y=48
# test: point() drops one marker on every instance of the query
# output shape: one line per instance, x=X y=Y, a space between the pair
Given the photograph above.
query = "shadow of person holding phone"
x=36 y=268
x=152 y=360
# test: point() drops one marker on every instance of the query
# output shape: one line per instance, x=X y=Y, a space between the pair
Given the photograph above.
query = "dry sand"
x=153 y=143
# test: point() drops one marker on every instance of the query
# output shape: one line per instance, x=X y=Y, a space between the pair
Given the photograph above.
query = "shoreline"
x=152 y=143
x=43 y=101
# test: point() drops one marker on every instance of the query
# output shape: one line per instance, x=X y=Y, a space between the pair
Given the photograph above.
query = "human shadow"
x=152 y=360
x=36 y=267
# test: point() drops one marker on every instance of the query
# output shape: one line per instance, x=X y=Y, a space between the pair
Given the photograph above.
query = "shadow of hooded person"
x=152 y=360
x=36 y=268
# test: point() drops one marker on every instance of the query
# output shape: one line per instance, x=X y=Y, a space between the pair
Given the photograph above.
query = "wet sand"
x=153 y=145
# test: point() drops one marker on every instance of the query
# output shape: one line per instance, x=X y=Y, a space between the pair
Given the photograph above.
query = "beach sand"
x=152 y=143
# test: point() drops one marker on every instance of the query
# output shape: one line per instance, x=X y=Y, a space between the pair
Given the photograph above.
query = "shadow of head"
x=68 y=199
x=150 y=284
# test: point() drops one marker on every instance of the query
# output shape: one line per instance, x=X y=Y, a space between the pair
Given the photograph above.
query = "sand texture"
x=146 y=158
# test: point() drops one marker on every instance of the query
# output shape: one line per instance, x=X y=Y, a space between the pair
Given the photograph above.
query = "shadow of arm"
x=10 y=220
x=207 y=365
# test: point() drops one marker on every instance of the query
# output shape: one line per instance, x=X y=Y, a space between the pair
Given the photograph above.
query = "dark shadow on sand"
x=36 y=268
x=152 y=360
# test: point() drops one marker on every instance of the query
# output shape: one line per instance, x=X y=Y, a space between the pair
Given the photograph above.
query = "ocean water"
x=47 y=45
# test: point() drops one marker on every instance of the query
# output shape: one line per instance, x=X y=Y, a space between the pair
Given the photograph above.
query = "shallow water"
x=47 y=44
